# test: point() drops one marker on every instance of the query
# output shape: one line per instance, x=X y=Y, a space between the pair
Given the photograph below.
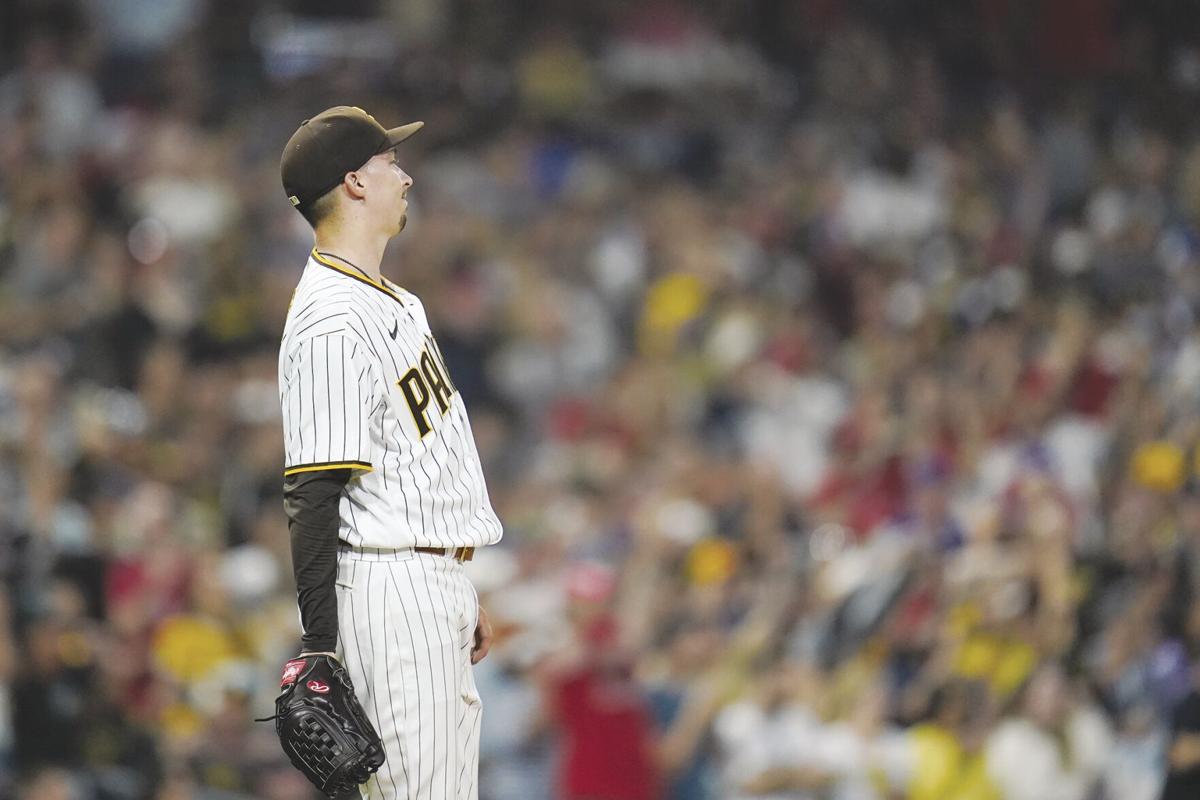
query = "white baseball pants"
x=406 y=628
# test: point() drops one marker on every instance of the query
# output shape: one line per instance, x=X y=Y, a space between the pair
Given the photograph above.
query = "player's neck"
x=361 y=250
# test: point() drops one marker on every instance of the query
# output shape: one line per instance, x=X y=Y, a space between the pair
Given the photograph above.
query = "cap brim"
x=397 y=135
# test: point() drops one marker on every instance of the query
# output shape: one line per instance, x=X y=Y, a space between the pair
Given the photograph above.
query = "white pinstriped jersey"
x=362 y=384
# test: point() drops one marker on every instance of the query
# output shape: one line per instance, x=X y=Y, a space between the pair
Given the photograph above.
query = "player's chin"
x=403 y=221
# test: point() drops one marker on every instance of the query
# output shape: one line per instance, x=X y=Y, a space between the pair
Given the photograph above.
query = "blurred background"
x=834 y=365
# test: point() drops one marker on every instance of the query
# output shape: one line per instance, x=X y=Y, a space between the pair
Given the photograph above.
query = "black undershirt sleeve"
x=310 y=500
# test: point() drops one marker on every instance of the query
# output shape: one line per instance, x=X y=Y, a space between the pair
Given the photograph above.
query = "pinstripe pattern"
x=406 y=620
x=408 y=623
x=339 y=373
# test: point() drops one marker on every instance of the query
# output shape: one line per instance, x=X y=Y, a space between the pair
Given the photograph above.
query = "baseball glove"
x=322 y=726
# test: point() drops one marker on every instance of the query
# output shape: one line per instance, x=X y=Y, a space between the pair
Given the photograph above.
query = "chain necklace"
x=349 y=262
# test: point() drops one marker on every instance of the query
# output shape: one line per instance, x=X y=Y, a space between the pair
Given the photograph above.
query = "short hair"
x=321 y=208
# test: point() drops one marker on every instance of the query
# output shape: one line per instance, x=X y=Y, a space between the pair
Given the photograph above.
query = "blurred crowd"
x=834 y=365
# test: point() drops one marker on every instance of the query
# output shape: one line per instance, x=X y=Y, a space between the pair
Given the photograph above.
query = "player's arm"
x=483 y=637
x=326 y=397
x=310 y=500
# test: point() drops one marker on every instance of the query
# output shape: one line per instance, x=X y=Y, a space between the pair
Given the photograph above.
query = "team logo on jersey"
x=318 y=687
x=428 y=381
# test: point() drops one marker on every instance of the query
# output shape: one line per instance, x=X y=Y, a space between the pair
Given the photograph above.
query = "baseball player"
x=383 y=488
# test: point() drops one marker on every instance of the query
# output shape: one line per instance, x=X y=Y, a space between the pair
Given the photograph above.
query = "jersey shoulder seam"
x=345 y=332
x=342 y=330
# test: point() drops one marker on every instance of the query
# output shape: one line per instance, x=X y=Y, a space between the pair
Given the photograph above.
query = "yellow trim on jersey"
x=365 y=466
x=362 y=278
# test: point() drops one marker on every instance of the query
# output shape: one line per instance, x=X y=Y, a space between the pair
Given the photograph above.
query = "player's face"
x=388 y=187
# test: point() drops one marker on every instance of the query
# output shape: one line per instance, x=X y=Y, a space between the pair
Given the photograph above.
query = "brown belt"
x=457 y=553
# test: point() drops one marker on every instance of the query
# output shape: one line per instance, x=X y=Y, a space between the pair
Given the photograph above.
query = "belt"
x=396 y=553
x=457 y=553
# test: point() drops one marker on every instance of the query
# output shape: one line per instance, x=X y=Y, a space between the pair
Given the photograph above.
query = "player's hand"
x=483 y=637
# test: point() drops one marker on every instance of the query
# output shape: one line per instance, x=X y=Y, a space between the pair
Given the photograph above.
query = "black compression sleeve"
x=310 y=500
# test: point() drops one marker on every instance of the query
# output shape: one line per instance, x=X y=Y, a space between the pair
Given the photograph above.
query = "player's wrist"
x=311 y=653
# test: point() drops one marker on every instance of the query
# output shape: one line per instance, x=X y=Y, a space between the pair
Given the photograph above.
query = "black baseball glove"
x=322 y=727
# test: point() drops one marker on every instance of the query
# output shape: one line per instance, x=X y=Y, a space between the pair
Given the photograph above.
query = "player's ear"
x=354 y=185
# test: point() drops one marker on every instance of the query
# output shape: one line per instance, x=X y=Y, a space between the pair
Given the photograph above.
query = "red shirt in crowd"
x=607 y=731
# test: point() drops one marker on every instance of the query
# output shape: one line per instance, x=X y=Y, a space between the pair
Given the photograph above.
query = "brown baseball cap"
x=336 y=141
